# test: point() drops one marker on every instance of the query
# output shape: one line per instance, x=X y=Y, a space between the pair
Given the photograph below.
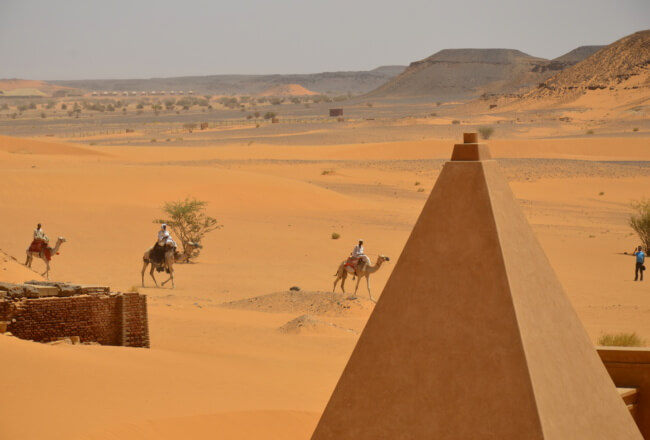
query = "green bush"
x=621 y=340
x=640 y=221
x=188 y=221
x=485 y=132
x=335 y=235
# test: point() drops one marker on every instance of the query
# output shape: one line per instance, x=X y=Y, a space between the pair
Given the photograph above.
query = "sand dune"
x=13 y=271
x=287 y=90
x=33 y=146
x=228 y=370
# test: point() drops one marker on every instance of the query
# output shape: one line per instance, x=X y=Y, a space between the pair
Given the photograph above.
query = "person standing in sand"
x=640 y=259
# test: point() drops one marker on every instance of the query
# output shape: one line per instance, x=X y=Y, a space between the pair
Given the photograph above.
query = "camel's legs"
x=171 y=278
x=28 y=260
x=369 y=292
x=344 y=276
x=145 y=263
x=46 y=274
x=339 y=276
x=151 y=273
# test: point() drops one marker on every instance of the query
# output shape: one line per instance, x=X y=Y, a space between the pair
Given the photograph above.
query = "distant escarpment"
x=460 y=74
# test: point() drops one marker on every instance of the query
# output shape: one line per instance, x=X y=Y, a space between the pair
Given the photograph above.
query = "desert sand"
x=258 y=367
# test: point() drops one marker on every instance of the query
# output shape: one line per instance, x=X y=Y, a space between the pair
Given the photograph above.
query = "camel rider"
x=163 y=244
x=39 y=242
x=164 y=237
x=358 y=253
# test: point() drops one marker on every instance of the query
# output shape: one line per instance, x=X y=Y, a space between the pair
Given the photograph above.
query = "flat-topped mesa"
x=470 y=149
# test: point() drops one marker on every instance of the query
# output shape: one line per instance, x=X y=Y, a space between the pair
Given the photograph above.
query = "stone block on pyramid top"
x=470 y=149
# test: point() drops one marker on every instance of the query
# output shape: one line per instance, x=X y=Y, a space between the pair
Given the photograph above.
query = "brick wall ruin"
x=105 y=318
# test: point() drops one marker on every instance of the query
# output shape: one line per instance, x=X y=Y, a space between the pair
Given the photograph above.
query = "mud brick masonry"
x=45 y=312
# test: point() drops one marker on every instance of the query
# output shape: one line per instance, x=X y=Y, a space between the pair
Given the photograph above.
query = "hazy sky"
x=86 y=39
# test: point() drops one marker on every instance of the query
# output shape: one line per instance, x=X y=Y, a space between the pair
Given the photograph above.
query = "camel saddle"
x=351 y=264
x=40 y=246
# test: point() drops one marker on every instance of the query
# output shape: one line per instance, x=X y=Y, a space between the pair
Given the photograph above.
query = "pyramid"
x=473 y=336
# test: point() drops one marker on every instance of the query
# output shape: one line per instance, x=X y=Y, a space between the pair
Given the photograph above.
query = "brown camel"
x=171 y=256
x=41 y=255
x=361 y=270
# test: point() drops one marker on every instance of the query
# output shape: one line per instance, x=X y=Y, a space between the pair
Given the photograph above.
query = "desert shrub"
x=640 y=221
x=369 y=104
x=327 y=172
x=485 y=132
x=32 y=106
x=455 y=121
x=635 y=129
x=189 y=126
x=335 y=235
x=590 y=132
x=420 y=190
x=416 y=183
x=270 y=115
x=50 y=105
x=5 y=106
x=64 y=106
x=188 y=221
x=295 y=100
x=153 y=140
x=601 y=193
x=43 y=115
x=22 y=107
x=276 y=101
x=621 y=340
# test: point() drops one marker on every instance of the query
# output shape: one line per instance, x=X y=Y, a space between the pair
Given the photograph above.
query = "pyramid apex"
x=470 y=149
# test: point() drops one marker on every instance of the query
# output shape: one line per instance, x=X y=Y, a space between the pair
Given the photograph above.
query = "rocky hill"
x=578 y=54
x=460 y=74
x=624 y=63
x=331 y=83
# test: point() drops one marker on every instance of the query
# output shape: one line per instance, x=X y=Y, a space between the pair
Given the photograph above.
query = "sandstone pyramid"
x=473 y=336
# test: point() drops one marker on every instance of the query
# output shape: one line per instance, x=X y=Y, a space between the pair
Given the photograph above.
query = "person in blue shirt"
x=640 y=259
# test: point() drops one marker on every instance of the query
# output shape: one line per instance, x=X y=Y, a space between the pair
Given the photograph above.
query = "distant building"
x=336 y=112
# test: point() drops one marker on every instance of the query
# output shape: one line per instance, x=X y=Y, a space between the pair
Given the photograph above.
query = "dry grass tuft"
x=621 y=340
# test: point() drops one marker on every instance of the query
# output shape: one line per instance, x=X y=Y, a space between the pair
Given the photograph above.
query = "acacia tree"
x=188 y=221
x=640 y=221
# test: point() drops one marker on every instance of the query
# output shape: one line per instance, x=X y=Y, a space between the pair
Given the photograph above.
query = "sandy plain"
x=229 y=371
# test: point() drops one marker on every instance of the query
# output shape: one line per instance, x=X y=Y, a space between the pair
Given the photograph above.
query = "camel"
x=362 y=270
x=171 y=256
x=41 y=255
